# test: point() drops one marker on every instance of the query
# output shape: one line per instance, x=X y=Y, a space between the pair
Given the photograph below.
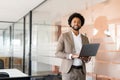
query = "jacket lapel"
x=84 y=41
x=71 y=40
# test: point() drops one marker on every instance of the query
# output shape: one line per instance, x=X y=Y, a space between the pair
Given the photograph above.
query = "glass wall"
x=5 y=42
x=104 y=30
x=21 y=44
x=18 y=40
x=101 y=26
x=43 y=48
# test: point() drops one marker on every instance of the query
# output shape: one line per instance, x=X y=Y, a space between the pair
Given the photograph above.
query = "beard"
x=76 y=28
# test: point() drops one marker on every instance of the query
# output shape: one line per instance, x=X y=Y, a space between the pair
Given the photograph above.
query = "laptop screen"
x=89 y=49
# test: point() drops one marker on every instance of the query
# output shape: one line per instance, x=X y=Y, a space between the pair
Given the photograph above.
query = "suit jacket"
x=65 y=47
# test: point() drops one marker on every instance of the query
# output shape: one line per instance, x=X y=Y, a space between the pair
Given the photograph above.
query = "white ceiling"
x=13 y=10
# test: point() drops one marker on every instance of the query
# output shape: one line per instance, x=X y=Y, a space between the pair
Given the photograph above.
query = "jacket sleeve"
x=60 y=50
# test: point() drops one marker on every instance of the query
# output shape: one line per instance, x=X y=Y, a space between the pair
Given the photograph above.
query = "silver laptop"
x=89 y=49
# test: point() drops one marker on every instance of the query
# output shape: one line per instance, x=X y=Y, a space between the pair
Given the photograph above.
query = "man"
x=69 y=47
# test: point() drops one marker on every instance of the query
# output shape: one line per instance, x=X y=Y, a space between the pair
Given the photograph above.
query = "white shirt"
x=78 y=45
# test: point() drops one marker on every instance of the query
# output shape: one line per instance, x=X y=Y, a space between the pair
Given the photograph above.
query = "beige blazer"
x=65 y=47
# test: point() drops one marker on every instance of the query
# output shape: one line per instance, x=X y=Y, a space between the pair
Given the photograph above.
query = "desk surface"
x=14 y=72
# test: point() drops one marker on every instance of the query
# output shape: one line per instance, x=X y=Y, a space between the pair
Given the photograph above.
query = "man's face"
x=76 y=23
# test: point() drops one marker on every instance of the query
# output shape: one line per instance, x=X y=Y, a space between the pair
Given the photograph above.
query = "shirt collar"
x=75 y=35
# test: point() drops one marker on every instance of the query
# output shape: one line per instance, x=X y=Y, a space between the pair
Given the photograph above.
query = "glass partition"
x=5 y=47
x=44 y=39
x=6 y=41
x=21 y=39
x=101 y=26
x=27 y=42
x=18 y=45
x=5 y=44
x=43 y=46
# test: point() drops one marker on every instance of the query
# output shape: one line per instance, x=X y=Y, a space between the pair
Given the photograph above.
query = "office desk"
x=14 y=74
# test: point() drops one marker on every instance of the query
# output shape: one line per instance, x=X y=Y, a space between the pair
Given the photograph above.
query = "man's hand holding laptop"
x=85 y=58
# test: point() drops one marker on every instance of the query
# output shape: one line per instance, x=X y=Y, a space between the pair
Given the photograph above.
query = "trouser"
x=74 y=74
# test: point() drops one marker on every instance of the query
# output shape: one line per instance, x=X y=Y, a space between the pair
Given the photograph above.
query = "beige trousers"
x=74 y=74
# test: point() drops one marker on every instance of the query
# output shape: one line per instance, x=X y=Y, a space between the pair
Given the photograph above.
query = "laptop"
x=89 y=49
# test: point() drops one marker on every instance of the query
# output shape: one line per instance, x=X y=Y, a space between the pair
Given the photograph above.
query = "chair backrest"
x=3 y=74
x=1 y=64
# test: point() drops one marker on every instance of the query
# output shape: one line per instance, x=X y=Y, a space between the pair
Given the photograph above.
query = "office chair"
x=1 y=64
x=3 y=74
